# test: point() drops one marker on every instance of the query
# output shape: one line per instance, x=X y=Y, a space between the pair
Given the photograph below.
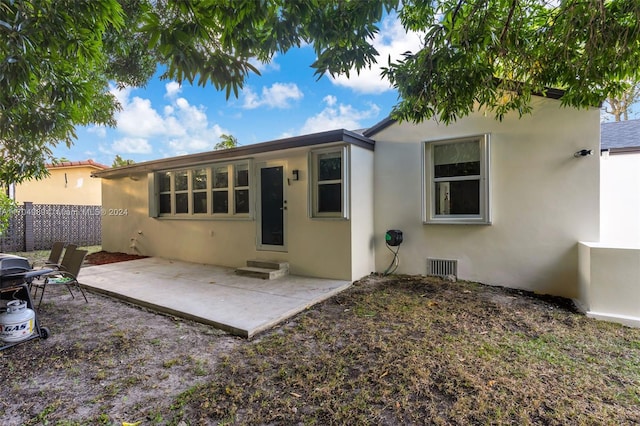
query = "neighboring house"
x=507 y=201
x=69 y=182
x=620 y=182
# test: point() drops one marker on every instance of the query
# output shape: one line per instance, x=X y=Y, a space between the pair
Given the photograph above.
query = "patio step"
x=265 y=269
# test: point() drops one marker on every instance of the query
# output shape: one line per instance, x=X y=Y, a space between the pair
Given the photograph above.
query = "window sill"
x=461 y=221
x=206 y=218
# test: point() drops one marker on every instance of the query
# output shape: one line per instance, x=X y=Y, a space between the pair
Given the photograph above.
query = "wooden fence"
x=38 y=226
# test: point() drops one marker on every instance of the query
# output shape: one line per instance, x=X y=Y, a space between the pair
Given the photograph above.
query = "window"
x=457 y=181
x=328 y=183
x=221 y=190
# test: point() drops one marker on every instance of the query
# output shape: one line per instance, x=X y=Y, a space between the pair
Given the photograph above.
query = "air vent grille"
x=442 y=267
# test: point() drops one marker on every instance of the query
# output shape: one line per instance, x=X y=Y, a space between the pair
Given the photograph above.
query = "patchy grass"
x=39 y=257
x=410 y=350
x=389 y=350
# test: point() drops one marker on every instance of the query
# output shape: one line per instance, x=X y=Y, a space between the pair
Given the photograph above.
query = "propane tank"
x=17 y=323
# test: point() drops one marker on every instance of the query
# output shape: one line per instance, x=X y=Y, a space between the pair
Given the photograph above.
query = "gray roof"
x=620 y=134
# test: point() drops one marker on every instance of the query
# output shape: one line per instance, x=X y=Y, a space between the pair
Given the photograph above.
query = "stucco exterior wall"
x=620 y=198
x=79 y=188
x=543 y=199
x=610 y=282
x=362 y=213
x=315 y=247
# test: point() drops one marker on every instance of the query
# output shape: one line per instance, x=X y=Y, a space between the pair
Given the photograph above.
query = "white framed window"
x=329 y=183
x=217 y=191
x=457 y=181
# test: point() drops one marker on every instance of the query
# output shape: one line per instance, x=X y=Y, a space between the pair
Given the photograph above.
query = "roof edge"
x=90 y=163
x=331 y=136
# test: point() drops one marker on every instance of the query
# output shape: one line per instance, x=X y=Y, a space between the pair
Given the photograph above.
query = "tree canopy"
x=226 y=142
x=58 y=57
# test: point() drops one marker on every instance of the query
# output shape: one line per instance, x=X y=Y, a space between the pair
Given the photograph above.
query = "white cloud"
x=172 y=89
x=179 y=126
x=392 y=40
x=338 y=116
x=279 y=95
x=100 y=131
x=131 y=146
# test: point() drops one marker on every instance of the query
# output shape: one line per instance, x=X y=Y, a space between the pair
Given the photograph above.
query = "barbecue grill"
x=15 y=276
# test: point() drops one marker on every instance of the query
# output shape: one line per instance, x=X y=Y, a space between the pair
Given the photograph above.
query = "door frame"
x=259 y=167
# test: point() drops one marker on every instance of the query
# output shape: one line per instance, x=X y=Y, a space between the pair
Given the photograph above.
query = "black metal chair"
x=67 y=275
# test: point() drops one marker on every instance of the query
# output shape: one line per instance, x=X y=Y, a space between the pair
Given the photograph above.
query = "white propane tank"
x=17 y=323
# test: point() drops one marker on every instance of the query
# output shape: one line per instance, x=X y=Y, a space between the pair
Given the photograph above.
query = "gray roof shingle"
x=620 y=134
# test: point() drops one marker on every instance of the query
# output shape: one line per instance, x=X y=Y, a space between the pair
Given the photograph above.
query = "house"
x=69 y=182
x=500 y=202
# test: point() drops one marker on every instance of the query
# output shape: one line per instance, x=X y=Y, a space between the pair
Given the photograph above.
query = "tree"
x=620 y=106
x=121 y=162
x=57 y=57
x=226 y=142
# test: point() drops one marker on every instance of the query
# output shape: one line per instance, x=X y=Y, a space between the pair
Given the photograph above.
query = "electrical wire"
x=395 y=262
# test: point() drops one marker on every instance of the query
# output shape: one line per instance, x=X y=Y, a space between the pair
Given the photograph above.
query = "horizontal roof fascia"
x=333 y=136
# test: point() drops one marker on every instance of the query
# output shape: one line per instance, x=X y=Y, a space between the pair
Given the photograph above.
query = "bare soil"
x=390 y=350
x=104 y=257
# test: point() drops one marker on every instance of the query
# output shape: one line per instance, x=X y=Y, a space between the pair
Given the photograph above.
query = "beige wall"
x=315 y=247
x=620 y=198
x=543 y=199
x=610 y=282
x=78 y=189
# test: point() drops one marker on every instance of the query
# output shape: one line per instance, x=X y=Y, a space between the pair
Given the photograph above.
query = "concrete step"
x=264 y=273
x=268 y=264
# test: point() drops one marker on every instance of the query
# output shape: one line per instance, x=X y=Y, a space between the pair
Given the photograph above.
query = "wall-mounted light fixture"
x=296 y=174
x=583 y=153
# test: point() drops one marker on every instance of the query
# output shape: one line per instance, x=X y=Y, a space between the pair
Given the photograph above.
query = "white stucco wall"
x=610 y=282
x=543 y=199
x=620 y=198
x=362 y=213
x=315 y=247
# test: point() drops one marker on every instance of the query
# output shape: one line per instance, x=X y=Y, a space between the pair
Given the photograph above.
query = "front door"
x=273 y=206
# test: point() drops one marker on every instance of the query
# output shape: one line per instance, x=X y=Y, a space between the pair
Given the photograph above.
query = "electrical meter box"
x=393 y=237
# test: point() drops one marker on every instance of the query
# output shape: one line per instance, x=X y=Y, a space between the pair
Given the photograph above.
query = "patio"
x=209 y=294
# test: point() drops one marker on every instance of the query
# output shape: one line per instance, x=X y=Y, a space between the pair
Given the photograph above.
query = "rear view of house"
x=500 y=202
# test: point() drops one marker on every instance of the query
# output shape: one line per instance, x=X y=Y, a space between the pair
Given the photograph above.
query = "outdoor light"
x=583 y=153
x=296 y=174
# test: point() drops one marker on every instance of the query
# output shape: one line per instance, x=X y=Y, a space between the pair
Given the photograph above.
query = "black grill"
x=16 y=270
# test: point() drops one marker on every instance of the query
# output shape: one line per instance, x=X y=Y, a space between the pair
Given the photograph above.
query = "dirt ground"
x=389 y=350
x=105 y=362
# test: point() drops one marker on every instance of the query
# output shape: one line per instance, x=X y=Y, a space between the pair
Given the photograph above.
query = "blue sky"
x=166 y=119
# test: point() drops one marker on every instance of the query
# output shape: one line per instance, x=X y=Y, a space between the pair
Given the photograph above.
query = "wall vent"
x=442 y=267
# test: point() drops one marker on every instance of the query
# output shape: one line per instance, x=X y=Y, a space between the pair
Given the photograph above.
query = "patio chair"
x=54 y=255
x=68 y=252
x=67 y=275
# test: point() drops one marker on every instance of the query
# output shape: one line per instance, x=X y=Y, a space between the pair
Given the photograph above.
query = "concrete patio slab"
x=209 y=294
